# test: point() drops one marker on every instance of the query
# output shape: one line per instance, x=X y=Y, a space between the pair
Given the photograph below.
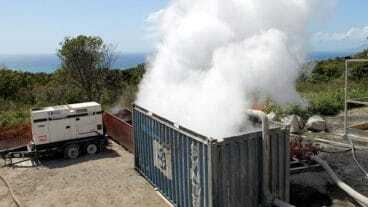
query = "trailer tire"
x=91 y=148
x=71 y=151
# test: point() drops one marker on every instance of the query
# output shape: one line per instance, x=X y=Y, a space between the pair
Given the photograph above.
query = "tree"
x=84 y=59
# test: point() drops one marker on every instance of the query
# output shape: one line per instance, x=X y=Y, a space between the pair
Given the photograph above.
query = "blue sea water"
x=321 y=55
x=50 y=62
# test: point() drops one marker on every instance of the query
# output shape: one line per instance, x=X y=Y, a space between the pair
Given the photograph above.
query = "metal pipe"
x=364 y=171
x=266 y=153
x=346 y=100
x=357 y=60
x=338 y=144
x=209 y=172
x=268 y=198
x=361 y=199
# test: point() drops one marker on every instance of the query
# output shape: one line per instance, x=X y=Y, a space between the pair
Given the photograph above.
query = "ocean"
x=48 y=63
x=321 y=55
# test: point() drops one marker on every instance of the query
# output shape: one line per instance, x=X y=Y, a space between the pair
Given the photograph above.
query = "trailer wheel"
x=91 y=148
x=71 y=151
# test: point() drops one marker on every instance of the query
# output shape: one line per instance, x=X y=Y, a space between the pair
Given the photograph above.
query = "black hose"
x=16 y=201
x=356 y=159
x=361 y=168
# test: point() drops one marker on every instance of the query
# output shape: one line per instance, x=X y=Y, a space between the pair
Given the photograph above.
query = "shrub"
x=282 y=111
x=328 y=70
x=359 y=71
x=297 y=110
x=13 y=117
x=326 y=103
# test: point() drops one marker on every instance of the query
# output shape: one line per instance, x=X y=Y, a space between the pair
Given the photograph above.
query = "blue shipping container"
x=192 y=170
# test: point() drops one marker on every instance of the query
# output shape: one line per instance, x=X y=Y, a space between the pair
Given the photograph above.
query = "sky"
x=346 y=29
x=37 y=26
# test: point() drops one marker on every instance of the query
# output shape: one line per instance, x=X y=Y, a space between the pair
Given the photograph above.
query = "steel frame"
x=360 y=101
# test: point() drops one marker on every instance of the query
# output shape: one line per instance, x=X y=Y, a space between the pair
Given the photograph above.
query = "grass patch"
x=323 y=97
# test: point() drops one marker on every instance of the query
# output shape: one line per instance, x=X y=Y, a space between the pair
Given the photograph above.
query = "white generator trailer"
x=71 y=129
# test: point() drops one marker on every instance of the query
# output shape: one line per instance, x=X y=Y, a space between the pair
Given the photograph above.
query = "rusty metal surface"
x=15 y=136
x=119 y=128
x=14 y=142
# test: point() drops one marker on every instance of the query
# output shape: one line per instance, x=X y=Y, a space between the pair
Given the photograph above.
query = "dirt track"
x=107 y=179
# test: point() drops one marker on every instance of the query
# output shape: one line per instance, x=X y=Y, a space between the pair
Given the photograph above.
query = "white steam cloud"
x=214 y=57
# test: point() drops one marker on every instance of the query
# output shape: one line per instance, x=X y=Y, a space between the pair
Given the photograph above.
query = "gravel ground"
x=355 y=116
x=316 y=188
x=106 y=179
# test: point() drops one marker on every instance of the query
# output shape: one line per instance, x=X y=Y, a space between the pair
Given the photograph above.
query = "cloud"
x=353 y=34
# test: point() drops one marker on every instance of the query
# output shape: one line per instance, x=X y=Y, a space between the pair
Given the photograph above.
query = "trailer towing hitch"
x=9 y=154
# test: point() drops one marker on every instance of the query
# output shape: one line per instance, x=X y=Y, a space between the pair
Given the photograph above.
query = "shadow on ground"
x=305 y=196
x=58 y=161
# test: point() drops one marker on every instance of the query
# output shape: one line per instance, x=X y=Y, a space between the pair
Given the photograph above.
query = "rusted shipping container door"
x=16 y=136
x=14 y=142
x=119 y=128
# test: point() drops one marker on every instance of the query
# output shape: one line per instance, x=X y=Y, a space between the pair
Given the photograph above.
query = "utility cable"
x=356 y=159
x=16 y=201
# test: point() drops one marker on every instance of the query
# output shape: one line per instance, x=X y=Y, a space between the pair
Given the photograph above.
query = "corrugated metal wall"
x=173 y=161
x=237 y=171
x=9 y=143
x=119 y=130
x=280 y=164
x=191 y=170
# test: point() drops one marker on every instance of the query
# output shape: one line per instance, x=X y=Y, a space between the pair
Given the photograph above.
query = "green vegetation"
x=21 y=91
x=85 y=75
x=327 y=70
x=332 y=69
x=323 y=88
x=85 y=63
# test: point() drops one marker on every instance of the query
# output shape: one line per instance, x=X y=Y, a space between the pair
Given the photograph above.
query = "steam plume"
x=214 y=56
